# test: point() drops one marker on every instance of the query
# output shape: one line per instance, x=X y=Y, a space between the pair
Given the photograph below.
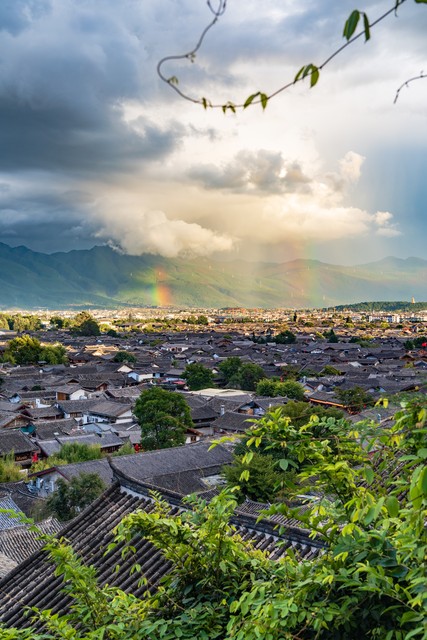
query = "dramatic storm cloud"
x=95 y=148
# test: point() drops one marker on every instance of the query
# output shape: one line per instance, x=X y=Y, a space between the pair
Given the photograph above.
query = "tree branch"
x=310 y=70
x=406 y=84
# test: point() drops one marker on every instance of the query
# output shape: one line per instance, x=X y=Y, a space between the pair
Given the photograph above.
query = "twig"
x=172 y=81
x=406 y=84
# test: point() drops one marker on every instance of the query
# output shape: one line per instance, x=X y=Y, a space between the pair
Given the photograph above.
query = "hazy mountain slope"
x=104 y=278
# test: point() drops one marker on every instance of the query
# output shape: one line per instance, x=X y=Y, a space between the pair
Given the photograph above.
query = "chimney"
x=222 y=410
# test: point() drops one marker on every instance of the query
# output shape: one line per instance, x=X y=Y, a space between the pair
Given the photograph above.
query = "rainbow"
x=160 y=292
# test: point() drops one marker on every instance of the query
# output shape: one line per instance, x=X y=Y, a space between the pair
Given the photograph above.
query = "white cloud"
x=153 y=232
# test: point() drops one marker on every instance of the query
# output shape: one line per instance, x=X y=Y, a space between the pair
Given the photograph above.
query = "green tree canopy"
x=241 y=375
x=198 y=376
x=368 y=581
x=125 y=356
x=72 y=452
x=355 y=399
x=84 y=324
x=285 y=337
x=28 y=350
x=229 y=367
x=272 y=388
x=258 y=479
x=71 y=497
x=163 y=417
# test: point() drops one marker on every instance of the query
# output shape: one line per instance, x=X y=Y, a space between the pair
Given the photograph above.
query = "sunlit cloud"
x=152 y=232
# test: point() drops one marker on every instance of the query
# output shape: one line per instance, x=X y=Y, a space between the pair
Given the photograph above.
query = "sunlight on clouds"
x=152 y=232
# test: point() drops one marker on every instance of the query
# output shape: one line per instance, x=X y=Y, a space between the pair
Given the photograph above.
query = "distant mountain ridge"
x=103 y=278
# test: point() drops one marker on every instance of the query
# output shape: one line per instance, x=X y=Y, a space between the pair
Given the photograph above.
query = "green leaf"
x=351 y=24
x=422 y=453
x=392 y=506
x=249 y=100
x=264 y=100
x=369 y=474
x=422 y=481
x=367 y=32
x=299 y=74
x=244 y=475
x=284 y=464
x=314 y=76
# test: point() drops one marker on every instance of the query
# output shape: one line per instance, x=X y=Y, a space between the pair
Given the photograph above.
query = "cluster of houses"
x=90 y=401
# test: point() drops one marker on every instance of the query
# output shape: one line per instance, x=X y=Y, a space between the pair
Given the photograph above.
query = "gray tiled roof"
x=9 y=520
x=19 y=542
x=151 y=464
x=16 y=441
x=90 y=535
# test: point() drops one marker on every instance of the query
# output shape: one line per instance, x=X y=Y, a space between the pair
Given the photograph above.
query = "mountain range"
x=104 y=278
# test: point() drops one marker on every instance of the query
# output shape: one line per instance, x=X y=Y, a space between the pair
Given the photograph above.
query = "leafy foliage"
x=9 y=471
x=27 y=350
x=124 y=356
x=71 y=497
x=257 y=478
x=355 y=399
x=163 y=417
x=272 y=388
x=241 y=375
x=198 y=376
x=85 y=325
x=367 y=506
x=285 y=337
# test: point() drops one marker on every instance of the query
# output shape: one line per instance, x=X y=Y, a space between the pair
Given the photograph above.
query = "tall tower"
x=413 y=300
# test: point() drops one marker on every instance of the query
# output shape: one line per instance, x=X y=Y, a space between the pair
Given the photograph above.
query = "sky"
x=96 y=149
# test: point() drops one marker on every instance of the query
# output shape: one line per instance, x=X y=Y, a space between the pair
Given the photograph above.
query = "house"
x=17 y=443
x=90 y=534
x=72 y=391
x=232 y=422
x=107 y=411
x=108 y=442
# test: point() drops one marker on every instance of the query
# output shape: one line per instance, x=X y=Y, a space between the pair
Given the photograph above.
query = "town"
x=79 y=391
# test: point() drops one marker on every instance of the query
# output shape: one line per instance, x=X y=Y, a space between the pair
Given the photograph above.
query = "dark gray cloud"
x=63 y=80
x=45 y=220
x=257 y=172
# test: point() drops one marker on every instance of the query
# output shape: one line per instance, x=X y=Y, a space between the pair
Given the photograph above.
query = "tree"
x=163 y=417
x=57 y=322
x=241 y=375
x=73 y=452
x=198 y=376
x=125 y=356
x=53 y=354
x=25 y=350
x=85 y=325
x=229 y=367
x=300 y=412
x=266 y=388
x=285 y=337
x=258 y=479
x=355 y=399
x=329 y=370
x=331 y=336
x=28 y=350
x=9 y=470
x=289 y=389
x=368 y=582
x=249 y=375
x=71 y=497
